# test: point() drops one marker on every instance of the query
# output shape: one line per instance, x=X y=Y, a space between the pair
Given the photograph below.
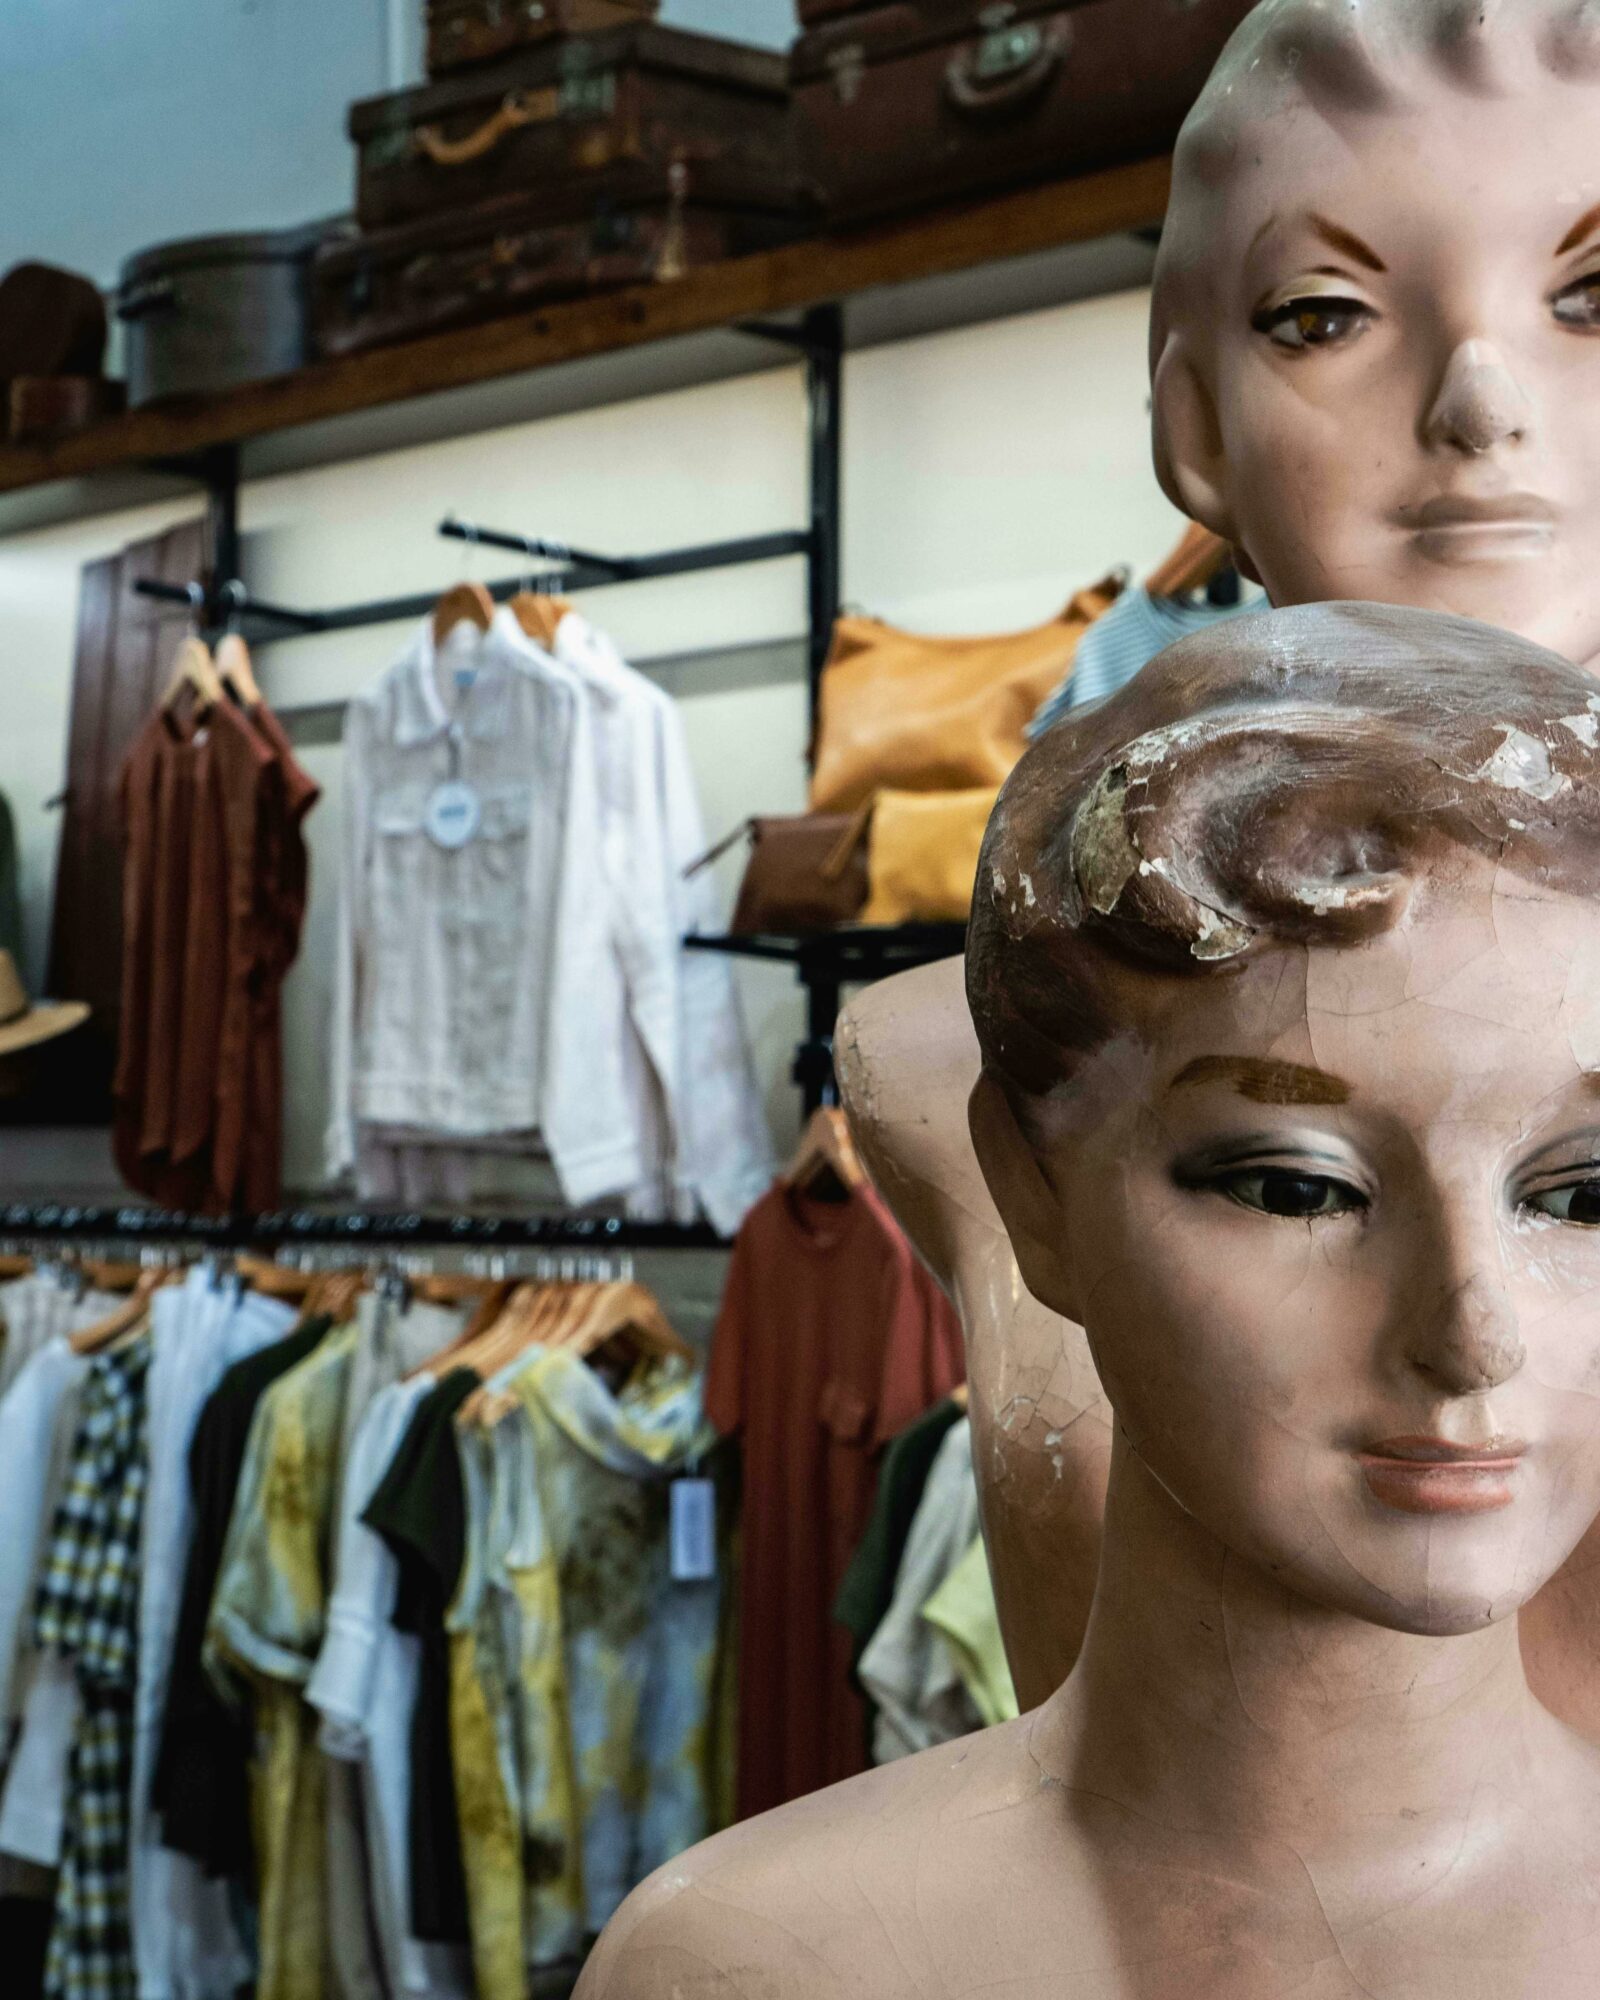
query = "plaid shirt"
x=87 y=1609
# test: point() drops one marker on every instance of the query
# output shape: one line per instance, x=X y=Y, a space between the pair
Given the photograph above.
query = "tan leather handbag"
x=922 y=855
x=928 y=715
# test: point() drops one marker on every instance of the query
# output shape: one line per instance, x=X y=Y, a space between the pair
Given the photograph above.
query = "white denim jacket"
x=465 y=973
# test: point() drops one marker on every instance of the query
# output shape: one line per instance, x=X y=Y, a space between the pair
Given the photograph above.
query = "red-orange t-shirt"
x=831 y=1339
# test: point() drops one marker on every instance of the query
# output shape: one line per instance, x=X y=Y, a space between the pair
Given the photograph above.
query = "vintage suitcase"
x=526 y=250
x=571 y=110
x=923 y=101
x=461 y=32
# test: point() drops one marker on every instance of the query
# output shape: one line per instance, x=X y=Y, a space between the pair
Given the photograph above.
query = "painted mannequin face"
x=1393 y=391
x=1334 y=1231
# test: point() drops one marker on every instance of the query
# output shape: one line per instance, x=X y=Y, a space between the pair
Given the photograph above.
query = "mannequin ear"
x=1021 y=1192
x=1190 y=461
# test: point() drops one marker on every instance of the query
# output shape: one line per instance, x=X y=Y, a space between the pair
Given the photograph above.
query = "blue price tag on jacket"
x=454 y=814
x=694 y=1530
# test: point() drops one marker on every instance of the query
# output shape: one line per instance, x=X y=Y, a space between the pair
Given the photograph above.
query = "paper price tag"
x=693 y=1530
x=454 y=814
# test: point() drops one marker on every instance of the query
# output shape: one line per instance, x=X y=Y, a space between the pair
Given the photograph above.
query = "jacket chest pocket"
x=475 y=882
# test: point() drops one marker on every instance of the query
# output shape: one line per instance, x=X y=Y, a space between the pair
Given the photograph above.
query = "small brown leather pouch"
x=806 y=872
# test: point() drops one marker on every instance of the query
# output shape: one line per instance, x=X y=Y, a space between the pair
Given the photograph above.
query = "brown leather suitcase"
x=524 y=251
x=925 y=101
x=569 y=111
x=461 y=32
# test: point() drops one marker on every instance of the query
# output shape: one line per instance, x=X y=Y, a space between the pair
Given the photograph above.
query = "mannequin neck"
x=1210 y=1697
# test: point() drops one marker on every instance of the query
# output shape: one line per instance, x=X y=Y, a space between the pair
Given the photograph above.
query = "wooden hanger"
x=1199 y=557
x=193 y=670
x=275 y=1281
x=959 y=1396
x=15 y=1267
x=462 y=604
x=628 y=1310
x=826 y=1163
x=104 y=1334
x=235 y=671
x=539 y=616
x=489 y=1321
x=110 y=1275
x=333 y=1295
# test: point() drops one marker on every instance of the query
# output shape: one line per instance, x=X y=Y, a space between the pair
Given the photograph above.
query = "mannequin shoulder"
x=821 y=1898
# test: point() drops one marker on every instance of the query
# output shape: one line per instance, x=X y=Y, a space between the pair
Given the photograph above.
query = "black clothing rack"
x=221 y=600
x=348 y=1229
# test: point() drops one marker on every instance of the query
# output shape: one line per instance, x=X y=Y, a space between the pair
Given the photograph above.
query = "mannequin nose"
x=1474 y=1343
x=1480 y=403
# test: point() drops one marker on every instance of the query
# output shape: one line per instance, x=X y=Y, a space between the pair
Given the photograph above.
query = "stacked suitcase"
x=597 y=150
x=904 y=103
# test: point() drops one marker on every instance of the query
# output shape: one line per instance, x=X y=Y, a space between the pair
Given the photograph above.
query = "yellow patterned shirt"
x=265 y=1630
x=584 y=1677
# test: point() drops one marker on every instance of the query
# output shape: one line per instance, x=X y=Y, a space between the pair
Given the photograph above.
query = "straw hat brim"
x=42 y=1024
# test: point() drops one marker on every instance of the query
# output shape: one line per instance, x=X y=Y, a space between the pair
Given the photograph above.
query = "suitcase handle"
x=517 y=108
x=1004 y=69
x=156 y=295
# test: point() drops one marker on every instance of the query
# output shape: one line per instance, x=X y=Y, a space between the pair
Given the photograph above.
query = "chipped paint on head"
x=1103 y=853
x=997 y=881
x=1522 y=764
x=1585 y=727
x=1030 y=900
x=1220 y=937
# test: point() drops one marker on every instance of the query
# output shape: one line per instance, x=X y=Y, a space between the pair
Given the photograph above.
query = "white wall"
x=988 y=473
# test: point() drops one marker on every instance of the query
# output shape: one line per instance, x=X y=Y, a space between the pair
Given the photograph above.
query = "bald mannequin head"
x=1376 y=325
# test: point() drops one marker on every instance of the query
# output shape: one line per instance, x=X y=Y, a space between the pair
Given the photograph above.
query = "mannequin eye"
x=1578 y=304
x=1578 y=1201
x=1313 y=322
x=1279 y=1191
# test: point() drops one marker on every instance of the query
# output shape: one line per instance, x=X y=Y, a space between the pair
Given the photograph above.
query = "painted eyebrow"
x=1347 y=241
x=1338 y=238
x=1266 y=1082
x=1584 y=227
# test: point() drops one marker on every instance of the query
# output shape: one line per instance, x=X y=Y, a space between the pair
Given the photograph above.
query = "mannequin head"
x=1286 y=974
x=1376 y=329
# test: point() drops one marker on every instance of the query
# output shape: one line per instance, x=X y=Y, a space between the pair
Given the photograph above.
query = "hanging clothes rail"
x=348 y=1229
x=818 y=337
x=581 y=572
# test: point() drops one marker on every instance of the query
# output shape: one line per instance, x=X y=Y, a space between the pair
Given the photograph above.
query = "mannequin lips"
x=1427 y=1475
x=1459 y=529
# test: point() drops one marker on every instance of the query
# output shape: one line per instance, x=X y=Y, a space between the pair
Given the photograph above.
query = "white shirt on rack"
x=364 y=1686
x=700 y=1112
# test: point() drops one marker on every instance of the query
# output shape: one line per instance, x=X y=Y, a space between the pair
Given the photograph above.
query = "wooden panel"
x=802 y=274
x=125 y=647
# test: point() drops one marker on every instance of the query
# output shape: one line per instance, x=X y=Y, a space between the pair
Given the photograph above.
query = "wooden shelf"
x=721 y=295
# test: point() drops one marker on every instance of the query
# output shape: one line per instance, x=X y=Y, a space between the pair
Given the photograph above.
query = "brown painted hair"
x=1282 y=779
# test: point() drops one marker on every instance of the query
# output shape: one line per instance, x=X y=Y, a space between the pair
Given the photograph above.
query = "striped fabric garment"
x=1116 y=646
